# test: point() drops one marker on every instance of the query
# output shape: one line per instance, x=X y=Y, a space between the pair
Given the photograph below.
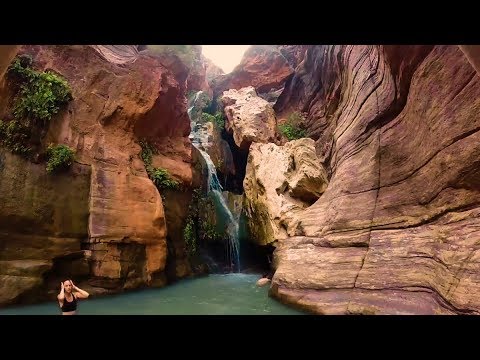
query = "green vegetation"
x=40 y=94
x=184 y=52
x=208 y=106
x=37 y=97
x=189 y=237
x=190 y=231
x=147 y=153
x=15 y=136
x=207 y=117
x=199 y=226
x=160 y=177
x=218 y=119
x=60 y=157
x=211 y=107
x=293 y=129
x=208 y=231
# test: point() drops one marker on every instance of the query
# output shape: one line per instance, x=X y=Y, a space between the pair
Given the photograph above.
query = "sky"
x=225 y=56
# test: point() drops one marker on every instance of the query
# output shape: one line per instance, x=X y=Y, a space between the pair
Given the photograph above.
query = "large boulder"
x=280 y=183
x=249 y=117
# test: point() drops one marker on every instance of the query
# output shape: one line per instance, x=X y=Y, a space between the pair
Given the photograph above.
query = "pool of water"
x=229 y=294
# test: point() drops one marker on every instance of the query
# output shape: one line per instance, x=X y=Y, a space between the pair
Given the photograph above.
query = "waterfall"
x=215 y=189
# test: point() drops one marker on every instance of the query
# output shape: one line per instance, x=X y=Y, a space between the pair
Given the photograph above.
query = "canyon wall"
x=104 y=221
x=396 y=230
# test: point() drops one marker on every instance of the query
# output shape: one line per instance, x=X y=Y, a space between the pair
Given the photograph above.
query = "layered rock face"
x=249 y=117
x=396 y=230
x=280 y=182
x=106 y=205
x=185 y=62
x=262 y=67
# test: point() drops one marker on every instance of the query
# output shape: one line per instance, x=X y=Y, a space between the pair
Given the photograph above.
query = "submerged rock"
x=262 y=282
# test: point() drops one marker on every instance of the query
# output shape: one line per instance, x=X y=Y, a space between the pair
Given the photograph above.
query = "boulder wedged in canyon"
x=396 y=231
x=262 y=66
x=249 y=117
x=280 y=183
x=113 y=106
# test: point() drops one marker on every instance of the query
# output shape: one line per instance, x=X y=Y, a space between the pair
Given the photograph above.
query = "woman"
x=67 y=299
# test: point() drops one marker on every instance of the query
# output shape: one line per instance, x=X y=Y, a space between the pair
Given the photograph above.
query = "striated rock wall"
x=396 y=230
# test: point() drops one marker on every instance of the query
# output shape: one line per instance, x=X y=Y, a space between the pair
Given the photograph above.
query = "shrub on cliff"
x=293 y=129
x=217 y=119
x=189 y=237
x=15 y=136
x=160 y=177
x=40 y=94
x=60 y=157
x=200 y=227
x=37 y=97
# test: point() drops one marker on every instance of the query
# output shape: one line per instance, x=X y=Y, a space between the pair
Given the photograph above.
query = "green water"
x=230 y=294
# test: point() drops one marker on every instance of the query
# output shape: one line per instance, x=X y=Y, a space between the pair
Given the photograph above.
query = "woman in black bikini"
x=67 y=299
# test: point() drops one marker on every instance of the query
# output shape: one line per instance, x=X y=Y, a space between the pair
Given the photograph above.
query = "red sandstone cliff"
x=104 y=221
x=263 y=67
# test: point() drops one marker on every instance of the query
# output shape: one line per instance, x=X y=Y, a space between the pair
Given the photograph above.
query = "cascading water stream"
x=215 y=190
